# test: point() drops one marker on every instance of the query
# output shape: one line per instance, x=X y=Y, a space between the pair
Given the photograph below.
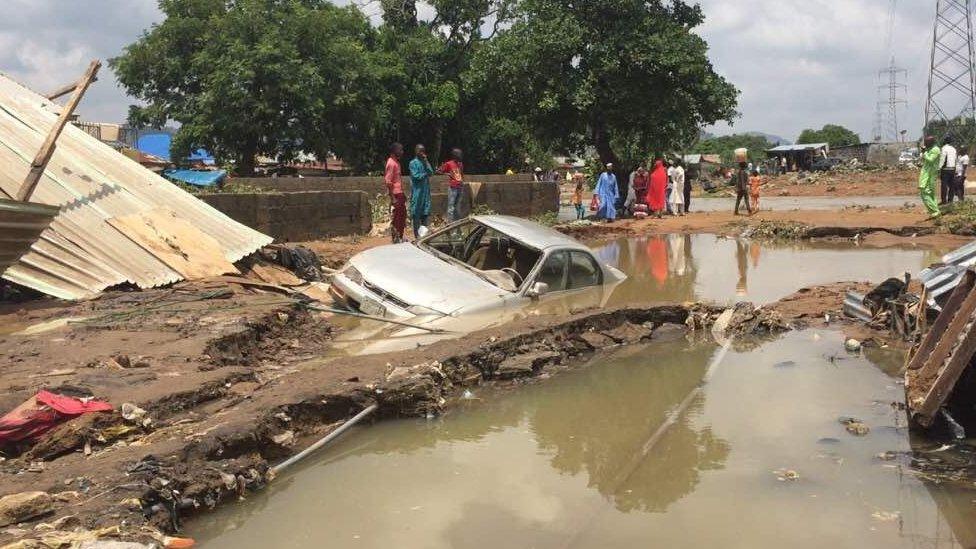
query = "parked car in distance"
x=825 y=164
x=483 y=264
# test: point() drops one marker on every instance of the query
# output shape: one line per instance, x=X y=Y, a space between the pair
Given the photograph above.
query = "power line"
x=952 y=87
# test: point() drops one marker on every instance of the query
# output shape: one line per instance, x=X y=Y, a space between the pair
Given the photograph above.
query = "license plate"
x=371 y=308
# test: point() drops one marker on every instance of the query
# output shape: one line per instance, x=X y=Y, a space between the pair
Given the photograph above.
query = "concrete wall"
x=291 y=217
x=371 y=185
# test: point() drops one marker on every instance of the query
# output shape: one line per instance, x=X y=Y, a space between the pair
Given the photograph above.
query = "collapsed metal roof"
x=21 y=224
x=83 y=252
x=803 y=147
x=943 y=279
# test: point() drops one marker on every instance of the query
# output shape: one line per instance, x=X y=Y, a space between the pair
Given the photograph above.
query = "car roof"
x=529 y=232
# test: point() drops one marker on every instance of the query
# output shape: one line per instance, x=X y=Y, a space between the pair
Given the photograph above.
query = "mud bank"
x=217 y=442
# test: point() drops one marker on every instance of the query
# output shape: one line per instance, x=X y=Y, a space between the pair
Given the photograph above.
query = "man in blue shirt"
x=420 y=172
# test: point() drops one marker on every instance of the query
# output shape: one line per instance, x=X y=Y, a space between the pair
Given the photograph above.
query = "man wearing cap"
x=607 y=193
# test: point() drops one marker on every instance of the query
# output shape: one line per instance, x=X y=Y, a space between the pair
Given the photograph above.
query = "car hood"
x=421 y=278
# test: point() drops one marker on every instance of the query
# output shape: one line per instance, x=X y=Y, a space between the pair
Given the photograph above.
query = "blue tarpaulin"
x=197 y=178
x=158 y=143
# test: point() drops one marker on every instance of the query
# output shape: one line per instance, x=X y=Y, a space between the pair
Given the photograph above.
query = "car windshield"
x=492 y=255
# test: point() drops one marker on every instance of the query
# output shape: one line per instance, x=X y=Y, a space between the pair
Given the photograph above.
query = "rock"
x=595 y=340
x=629 y=333
x=525 y=364
x=284 y=439
x=24 y=506
x=852 y=345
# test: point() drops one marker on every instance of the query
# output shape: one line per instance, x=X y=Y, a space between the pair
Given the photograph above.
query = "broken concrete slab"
x=15 y=508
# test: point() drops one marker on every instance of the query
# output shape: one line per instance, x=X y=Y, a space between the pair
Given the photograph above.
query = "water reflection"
x=681 y=268
x=599 y=431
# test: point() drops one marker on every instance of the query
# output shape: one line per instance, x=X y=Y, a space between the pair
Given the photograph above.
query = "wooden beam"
x=65 y=90
x=47 y=149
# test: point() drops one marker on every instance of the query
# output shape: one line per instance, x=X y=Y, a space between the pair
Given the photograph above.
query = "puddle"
x=675 y=268
x=758 y=460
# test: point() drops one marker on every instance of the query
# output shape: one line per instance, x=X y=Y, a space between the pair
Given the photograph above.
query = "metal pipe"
x=277 y=469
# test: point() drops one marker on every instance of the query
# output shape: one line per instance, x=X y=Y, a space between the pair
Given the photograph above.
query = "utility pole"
x=952 y=84
x=891 y=82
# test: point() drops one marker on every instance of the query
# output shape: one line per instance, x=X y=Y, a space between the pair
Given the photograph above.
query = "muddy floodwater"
x=674 y=268
x=758 y=459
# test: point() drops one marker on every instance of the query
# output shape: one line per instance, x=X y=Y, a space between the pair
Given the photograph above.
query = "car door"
x=575 y=282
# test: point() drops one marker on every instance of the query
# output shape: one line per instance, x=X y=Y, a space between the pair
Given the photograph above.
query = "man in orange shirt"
x=394 y=184
x=455 y=173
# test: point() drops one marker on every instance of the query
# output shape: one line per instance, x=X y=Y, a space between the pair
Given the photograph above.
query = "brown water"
x=552 y=464
x=673 y=268
x=557 y=463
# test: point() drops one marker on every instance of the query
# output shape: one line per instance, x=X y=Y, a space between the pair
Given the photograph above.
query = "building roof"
x=103 y=234
x=803 y=147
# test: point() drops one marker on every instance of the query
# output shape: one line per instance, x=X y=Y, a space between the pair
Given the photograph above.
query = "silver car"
x=484 y=264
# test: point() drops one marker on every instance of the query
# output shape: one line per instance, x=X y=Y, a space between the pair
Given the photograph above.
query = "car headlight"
x=353 y=274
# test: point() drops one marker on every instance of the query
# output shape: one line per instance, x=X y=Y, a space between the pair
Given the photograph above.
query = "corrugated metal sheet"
x=81 y=254
x=940 y=280
x=803 y=147
x=21 y=224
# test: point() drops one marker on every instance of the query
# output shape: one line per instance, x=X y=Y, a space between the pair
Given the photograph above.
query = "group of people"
x=663 y=189
x=946 y=165
x=420 y=172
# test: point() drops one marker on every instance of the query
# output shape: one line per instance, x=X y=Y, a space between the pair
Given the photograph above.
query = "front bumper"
x=356 y=297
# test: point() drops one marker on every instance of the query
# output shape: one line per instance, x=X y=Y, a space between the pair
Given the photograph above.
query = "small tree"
x=832 y=134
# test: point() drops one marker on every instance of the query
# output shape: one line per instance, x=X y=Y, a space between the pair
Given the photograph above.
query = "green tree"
x=627 y=78
x=249 y=77
x=836 y=136
x=727 y=144
x=961 y=130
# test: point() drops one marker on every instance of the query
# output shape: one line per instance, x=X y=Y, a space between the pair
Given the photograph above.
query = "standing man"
x=394 y=184
x=455 y=174
x=677 y=198
x=420 y=172
x=947 y=170
x=962 y=164
x=607 y=193
x=930 y=172
x=670 y=187
x=742 y=187
x=687 y=187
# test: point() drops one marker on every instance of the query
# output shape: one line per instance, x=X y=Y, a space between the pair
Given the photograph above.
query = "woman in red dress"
x=658 y=188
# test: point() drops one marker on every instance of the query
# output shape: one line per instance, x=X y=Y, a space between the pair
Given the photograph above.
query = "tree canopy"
x=833 y=134
x=727 y=144
x=513 y=81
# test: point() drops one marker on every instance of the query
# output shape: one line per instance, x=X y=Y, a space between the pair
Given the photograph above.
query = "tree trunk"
x=435 y=146
x=601 y=141
x=245 y=161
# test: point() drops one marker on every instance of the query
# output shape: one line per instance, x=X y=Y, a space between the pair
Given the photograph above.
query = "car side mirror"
x=538 y=290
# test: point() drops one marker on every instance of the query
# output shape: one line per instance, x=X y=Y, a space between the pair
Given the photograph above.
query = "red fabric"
x=594 y=203
x=641 y=183
x=657 y=252
x=394 y=183
x=454 y=171
x=42 y=413
x=659 y=186
x=399 y=215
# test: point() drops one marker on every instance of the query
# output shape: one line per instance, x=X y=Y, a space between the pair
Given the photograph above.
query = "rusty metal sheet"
x=81 y=254
x=21 y=225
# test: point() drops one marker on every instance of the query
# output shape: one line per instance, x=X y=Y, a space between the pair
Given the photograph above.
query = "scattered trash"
x=46 y=410
x=852 y=345
x=786 y=475
x=135 y=414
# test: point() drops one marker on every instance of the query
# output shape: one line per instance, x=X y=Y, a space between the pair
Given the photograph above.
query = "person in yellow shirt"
x=929 y=175
x=755 y=183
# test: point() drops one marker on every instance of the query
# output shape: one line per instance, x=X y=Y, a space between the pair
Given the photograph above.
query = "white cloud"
x=798 y=64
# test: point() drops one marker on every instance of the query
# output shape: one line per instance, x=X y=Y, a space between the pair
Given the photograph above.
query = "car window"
x=584 y=271
x=453 y=241
x=553 y=272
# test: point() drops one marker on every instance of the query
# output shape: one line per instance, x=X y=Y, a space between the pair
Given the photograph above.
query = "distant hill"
x=774 y=139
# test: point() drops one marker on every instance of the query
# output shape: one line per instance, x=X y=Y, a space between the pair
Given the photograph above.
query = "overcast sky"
x=798 y=64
